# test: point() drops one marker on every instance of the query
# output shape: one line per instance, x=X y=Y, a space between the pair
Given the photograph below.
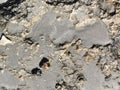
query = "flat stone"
x=94 y=77
x=14 y=28
x=94 y=33
x=8 y=80
x=12 y=58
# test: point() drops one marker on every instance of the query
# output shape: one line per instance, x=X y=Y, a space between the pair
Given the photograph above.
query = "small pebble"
x=28 y=40
x=81 y=77
x=36 y=71
x=44 y=63
x=58 y=86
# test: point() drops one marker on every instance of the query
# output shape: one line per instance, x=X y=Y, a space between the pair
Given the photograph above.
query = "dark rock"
x=29 y=41
x=81 y=77
x=43 y=61
x=112 y=11
x=47 y=80
x=94 y=77
x=36 y=71
x=58 y=86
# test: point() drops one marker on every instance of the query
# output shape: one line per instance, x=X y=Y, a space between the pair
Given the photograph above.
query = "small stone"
x=44 y=63
x=58 y=86
x=107 y=78
x=36 y=71
x=112 y=11
x=29 y=41
x=81 y=77
x=4 y=40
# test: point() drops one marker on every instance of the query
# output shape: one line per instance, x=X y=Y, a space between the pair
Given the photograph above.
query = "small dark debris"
x=68 y=53
x=48 y=64
x=58 y=86
x=108 y=77
x=28 y=40
x=1 y=68
x=112 y=14
x=81 y=77
x=36 y=71
x=44 y=62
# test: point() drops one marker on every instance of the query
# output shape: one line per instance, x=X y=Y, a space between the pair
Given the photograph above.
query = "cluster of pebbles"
x=59 y=44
